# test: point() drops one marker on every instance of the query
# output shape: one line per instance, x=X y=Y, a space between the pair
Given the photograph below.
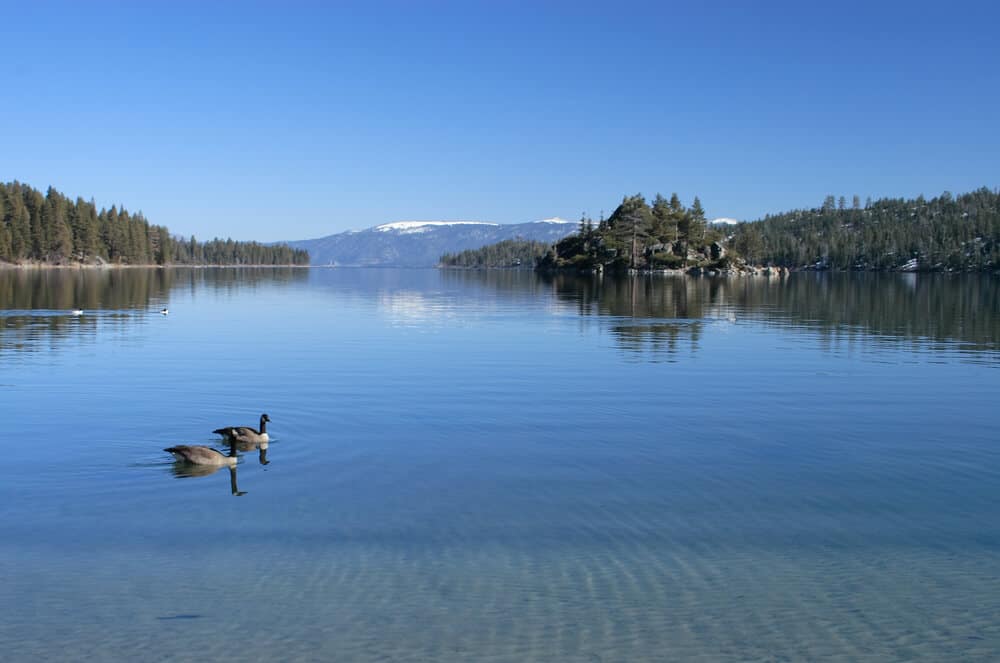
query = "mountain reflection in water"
x=656 y=316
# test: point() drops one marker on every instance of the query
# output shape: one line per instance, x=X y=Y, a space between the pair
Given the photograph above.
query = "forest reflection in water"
x=652 y=316
x=36 y=304
x=468 y=445
x=658 y=315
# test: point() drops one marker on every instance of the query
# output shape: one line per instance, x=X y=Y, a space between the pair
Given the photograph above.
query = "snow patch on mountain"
x=422 y=243
x=423 y=226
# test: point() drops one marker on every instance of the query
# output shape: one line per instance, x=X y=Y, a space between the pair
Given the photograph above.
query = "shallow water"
x=500 y=467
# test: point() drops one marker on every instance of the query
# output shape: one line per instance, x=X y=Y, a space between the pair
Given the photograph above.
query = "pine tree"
x=679 y=215
x=85 y=230
x=111 y=233
x=21 y=233
x=38 y=228
x=630 y=224
x=664 y=227
x=5 y=251
x=60 y=235
x=696 y=222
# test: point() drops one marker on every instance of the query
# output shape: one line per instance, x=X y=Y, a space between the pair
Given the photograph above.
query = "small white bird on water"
x=164 y=311
x=76 y=311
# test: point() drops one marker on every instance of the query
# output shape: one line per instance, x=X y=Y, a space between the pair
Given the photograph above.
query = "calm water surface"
x=500 y=467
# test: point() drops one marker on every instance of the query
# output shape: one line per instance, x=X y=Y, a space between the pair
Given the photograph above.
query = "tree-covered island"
x=637 y=235
x=51 y=229
x=946 y=233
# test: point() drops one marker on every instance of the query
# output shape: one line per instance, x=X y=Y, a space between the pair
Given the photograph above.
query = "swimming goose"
x=245 y=433
x=198 y=455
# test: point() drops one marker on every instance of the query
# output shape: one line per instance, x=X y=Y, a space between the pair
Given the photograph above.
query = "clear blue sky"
x=294 y=120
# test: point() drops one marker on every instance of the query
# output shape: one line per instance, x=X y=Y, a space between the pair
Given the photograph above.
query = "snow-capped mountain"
x=422 y=243
x=424 y=226
x=723 y=221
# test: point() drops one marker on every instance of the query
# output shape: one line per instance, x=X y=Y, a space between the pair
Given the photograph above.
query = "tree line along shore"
x=51 y=230
x=947 y=233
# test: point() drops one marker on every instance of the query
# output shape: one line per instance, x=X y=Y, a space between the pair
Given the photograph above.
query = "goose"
x=245 y=433
x=76 y=311
x=199 y=455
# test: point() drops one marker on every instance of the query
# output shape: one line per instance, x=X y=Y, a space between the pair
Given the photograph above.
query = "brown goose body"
x=199 y=455
x=245 y=434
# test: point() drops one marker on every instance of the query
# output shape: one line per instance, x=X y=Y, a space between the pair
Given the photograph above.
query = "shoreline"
x=766 y=272
x=81 y=266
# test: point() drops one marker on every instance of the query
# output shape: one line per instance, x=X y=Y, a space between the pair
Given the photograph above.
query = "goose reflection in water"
x=261 y=448
x=183 y=470
x=184 y=467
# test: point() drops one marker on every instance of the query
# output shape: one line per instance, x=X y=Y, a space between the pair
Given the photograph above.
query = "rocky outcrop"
x=716 y=251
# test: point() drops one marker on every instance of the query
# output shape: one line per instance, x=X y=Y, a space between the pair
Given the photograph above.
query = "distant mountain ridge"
x=422 y=243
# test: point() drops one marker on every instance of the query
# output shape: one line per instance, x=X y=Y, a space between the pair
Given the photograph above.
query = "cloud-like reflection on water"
x=412 y=308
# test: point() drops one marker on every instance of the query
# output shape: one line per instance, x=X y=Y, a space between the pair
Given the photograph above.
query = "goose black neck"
x=263 y=425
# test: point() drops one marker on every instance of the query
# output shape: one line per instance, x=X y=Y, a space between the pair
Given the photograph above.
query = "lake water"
x=495 y=466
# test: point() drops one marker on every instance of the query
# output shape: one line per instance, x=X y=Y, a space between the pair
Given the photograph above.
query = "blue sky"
x=294 y=120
